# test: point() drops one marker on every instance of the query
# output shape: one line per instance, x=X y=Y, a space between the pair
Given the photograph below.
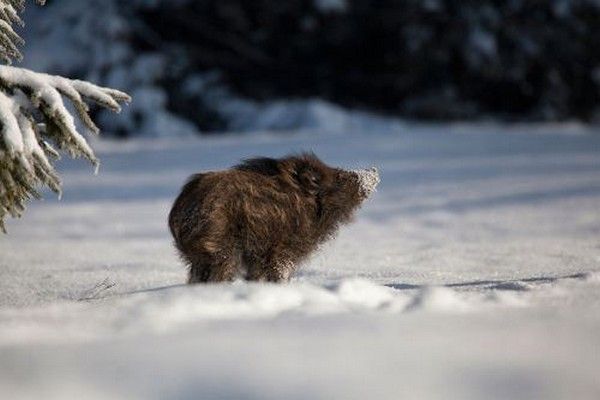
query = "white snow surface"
x=472 y=273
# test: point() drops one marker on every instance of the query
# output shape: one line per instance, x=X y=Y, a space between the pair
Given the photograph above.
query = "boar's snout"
x=367 y=180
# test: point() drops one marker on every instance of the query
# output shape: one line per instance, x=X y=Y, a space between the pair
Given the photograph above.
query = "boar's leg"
x=214 y=267
x=269 y=269
x=199 y=273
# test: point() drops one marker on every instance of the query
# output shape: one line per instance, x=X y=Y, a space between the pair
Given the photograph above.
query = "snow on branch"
x=32 y=111
x=9 y=39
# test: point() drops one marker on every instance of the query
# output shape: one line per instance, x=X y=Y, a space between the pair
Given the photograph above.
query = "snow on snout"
x=368 y=180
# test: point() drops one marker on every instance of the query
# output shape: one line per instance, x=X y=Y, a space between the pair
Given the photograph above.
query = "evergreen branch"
x=32 y=110
x=9 y=39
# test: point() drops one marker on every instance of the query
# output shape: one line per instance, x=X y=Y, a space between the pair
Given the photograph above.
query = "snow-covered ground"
x=473 y=273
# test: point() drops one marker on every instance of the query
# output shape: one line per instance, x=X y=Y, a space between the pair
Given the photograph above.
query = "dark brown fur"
x=259 y=219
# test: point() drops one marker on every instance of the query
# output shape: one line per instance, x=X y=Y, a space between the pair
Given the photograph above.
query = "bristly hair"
x=264 y=165
x=271 y=166
x=308 y=156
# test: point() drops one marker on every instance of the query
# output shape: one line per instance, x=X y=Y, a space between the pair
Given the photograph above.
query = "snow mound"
x=173 y=308
x=362 y=294
x=438 y=299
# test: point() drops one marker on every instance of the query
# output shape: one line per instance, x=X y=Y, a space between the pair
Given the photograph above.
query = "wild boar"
x=261 y=218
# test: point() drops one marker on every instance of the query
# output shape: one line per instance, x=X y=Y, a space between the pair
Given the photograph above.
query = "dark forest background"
x=427 y=59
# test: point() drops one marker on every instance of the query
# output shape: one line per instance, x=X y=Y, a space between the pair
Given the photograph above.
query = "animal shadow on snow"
x=522 y=284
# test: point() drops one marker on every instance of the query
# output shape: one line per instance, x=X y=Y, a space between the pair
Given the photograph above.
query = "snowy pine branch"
x=32 y=113
x=9 y=39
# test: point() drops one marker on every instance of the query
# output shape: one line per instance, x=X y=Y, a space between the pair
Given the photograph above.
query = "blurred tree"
x=189 y=61
x=32 y=112
x=437 y=59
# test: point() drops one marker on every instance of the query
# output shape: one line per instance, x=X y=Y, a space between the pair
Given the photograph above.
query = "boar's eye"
x=309 y=180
